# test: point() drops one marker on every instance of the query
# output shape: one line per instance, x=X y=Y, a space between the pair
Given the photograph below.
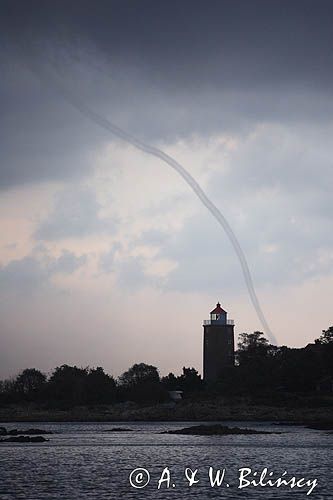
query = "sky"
x=107 y=258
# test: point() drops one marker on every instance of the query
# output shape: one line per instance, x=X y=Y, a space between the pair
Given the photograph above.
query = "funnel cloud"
x=192 y=183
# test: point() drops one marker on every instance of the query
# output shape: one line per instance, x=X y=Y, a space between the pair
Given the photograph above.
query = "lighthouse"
x=218 y=344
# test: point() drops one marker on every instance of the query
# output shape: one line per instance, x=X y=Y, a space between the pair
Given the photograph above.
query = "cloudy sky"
x=106 y=256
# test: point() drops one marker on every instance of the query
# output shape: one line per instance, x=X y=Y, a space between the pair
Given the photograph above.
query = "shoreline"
x=181 y=412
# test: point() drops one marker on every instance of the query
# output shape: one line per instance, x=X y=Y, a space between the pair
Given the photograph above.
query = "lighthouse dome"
x=218 y=310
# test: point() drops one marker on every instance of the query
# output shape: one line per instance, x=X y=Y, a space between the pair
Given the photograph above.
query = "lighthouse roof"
x=218 y=309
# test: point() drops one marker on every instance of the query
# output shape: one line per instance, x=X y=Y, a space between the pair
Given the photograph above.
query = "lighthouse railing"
x=217 y=322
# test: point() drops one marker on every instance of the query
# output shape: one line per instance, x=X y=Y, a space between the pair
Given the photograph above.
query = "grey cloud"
x=204 y=257
x=293 y=158
x=23 y=275
x=154 y=237
x=276 y=193
x=202 y=253
x=206 y=263
x=75 y=214
x=131 y=275
x=67 y=263
x=107 y=262
x=33 y=272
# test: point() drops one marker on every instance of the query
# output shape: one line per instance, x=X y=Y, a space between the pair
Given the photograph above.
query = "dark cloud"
x=42 y=138
x=160 y=70
x=233 y=40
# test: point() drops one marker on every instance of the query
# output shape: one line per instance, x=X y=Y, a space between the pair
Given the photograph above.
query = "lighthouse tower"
x=218 y=344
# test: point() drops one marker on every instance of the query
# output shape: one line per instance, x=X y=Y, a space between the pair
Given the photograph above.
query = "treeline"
x=71 y=386
x=261 y=369
x=271 y=371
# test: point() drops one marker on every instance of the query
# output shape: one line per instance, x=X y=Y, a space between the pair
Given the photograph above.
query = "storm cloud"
x=160 y=71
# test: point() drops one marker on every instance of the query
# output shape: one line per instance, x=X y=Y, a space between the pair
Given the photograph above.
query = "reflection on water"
x=84 y=461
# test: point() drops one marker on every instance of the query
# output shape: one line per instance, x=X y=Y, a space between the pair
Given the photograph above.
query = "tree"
x=326 y=336
x=141 y=383
x=251 y=347
x=30 y=382
x=99 y=386
x=190 y=380
x=8 y=391
x=256 y=362
x=252 y=341
x=138 y=374
x=325 y=341
x=170 y=382
x=67 y=383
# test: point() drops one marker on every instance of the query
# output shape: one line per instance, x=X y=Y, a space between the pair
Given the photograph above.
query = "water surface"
x=84 y=461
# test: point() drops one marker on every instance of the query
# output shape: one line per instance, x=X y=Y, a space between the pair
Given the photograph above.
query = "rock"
x=33 y=432
x=27 y=432
x=215 y=430
x=24 y=439
x=38 y=439
x=118 y=429
x=3 y=431
x=289 y=424
x=321 y=426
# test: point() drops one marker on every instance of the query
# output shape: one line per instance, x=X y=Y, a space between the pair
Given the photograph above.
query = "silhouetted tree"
x=8 y=392
x=138 y=374
x=30 y=383
x=67 y=383
x=326 y=336
x=190 y=380
x=325 y=341
x=141 y=383
x=256 y=360
x=99 y=386
x=251 y=346
x=170 y=382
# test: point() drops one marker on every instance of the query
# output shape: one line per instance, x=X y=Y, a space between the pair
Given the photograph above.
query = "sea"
x=92 y=461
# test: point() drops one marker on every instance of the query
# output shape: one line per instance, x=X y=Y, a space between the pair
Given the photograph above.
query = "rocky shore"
x=187 y=410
